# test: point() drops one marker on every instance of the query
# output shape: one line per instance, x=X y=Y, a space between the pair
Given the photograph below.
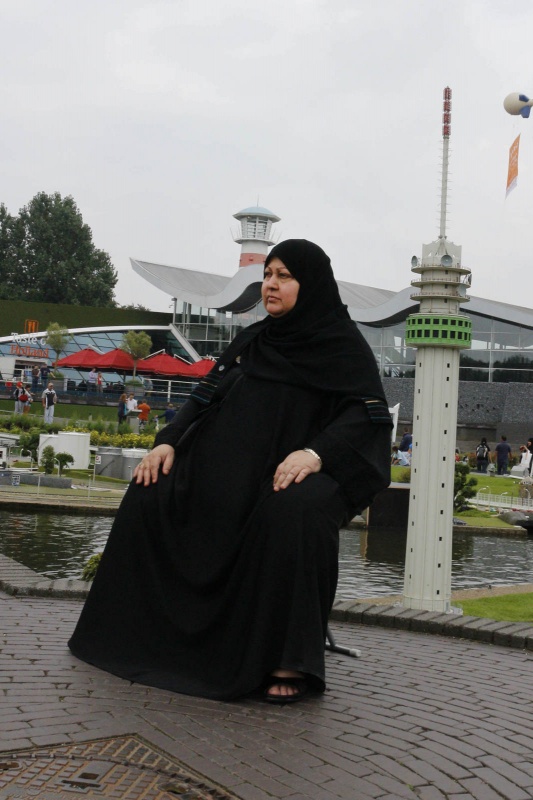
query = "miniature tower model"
x=255 y=234
x=438 y=332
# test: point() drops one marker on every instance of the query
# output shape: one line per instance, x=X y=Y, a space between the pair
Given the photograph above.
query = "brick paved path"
x=419 y=716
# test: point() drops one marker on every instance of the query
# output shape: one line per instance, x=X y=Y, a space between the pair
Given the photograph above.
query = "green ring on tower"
x=439 y=330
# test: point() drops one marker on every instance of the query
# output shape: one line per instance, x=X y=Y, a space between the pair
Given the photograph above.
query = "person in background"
x=18 y=393
x=49 y=400
x=399 y=458
x=407 y=438
x=29 y=399
x=525 y=457
x=45 y=371
x=122 y=409
x=144 y=415
x=35 y=375
x=91 y=380
x=168 y=414
x=482 y=456
x=131 y=402
x=503 y=453
x=99 y=383
x=529 y=446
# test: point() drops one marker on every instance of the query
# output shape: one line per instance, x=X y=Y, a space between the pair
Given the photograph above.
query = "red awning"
x=83 y=358
x=203 y=366
x=168 y=366
x=115 y=360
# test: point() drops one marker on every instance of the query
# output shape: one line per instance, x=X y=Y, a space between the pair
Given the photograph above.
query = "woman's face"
x=279 y=290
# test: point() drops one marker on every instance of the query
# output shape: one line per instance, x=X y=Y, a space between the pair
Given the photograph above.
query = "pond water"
x=371 y=562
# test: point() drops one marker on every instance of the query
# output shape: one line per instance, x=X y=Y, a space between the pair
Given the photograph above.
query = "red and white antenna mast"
x=446 y=133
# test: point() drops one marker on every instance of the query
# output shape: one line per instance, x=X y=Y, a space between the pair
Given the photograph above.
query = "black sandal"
x=298 y=682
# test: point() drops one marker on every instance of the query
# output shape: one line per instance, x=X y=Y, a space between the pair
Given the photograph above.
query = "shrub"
x=22 y=422
x=89 y=570
x=404 y=476
x=98 y=425
x=463 y=487
x=64 y=459
x=29 y=440
x=103 y=434
x=129 y=439
x=47 y=459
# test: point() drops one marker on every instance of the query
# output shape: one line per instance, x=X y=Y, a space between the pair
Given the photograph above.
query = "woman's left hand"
x=160 y=458
x=295 y=467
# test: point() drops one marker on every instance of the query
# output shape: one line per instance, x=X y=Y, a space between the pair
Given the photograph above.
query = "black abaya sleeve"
x=193 y=409
x=356 y=453
x=172 y=433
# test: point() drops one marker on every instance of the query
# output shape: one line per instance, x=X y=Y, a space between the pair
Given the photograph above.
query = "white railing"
x=503 y=501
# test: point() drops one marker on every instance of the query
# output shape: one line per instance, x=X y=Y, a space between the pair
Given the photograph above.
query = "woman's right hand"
x=161 y=457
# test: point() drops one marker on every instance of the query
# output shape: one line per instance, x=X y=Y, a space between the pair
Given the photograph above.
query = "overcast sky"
x=163 y=119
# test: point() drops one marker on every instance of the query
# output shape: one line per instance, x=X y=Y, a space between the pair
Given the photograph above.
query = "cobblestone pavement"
x=418 y=716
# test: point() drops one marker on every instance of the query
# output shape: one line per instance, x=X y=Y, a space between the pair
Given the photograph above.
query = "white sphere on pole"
x=516 y=103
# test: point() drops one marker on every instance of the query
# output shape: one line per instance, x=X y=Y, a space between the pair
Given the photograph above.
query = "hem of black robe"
x=170 y=684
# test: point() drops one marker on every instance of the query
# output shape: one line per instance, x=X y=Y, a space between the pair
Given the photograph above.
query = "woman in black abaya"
x=221 y=567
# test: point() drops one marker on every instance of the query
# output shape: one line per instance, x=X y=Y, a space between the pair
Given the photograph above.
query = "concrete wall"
x=483 y=409
x=33 y=479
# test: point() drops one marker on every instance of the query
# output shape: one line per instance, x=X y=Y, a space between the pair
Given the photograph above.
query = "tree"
x=48 y=459
x=137 y=344
x=29 y=441
x=134 y=307
x=47 y=255
x=463 y=487
x=10 y=240
x=57 y=338
x=63 y=460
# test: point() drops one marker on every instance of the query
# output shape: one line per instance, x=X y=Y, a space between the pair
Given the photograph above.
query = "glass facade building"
x=502 y=334
x=20 y=352
x=501 y=351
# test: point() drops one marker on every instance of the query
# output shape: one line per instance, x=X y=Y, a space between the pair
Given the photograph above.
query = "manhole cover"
x=126 y=767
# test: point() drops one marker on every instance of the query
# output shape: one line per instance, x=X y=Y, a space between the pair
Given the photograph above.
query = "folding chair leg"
x=337 y=648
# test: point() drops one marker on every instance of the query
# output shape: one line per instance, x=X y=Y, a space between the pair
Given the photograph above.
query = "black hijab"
x=315 y=345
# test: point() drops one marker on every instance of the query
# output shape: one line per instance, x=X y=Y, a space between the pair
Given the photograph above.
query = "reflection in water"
x=56 y=545
x=371 y=562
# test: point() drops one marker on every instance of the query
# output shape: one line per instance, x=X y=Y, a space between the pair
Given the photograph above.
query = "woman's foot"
x=285 y=686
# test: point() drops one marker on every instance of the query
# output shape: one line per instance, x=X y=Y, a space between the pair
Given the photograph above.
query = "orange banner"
x=512 y=173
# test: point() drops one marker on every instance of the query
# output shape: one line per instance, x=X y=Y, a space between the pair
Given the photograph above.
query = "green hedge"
x=14 y=313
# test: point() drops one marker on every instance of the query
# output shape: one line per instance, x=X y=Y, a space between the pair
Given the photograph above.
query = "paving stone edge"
x=18 y=580
x=507 y=634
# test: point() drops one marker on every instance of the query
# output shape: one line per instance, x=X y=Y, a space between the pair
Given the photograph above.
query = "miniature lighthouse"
x=438 y=332
x=255 y=234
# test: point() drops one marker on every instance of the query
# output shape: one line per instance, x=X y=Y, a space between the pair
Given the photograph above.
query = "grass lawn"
x=70 y=411
x=487 y=484
x=482 y=521
x=82 y=477
x=496 y=485
x=86 y=476
x=506 y=607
